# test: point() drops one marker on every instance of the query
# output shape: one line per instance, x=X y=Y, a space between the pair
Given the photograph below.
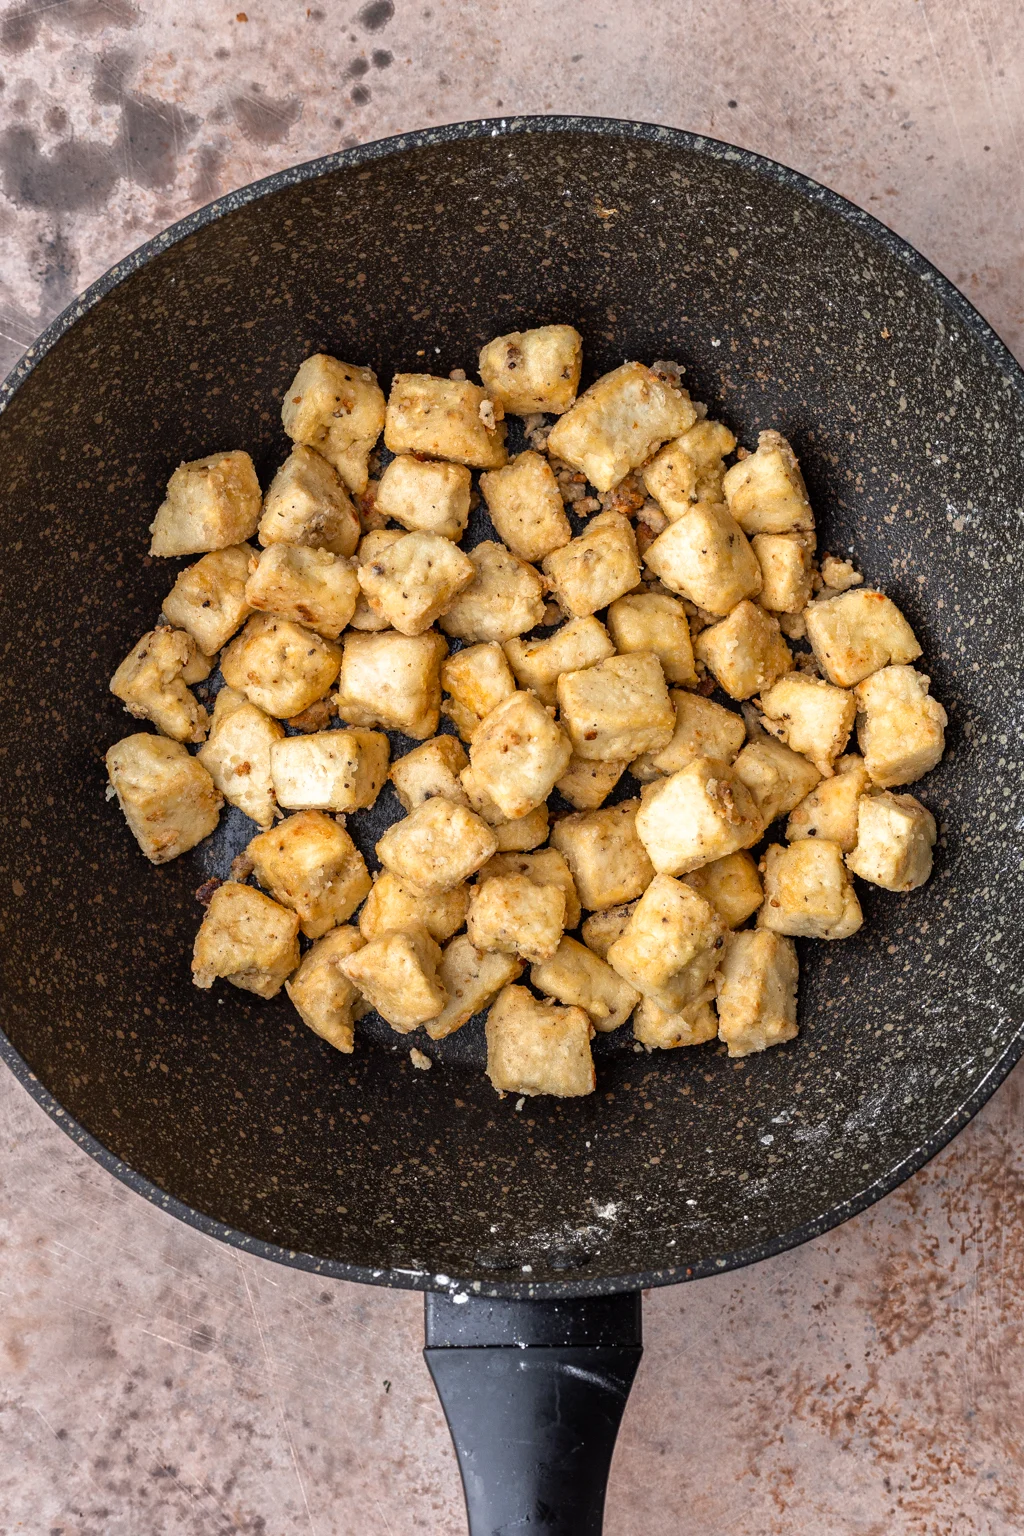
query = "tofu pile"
x=634 y=571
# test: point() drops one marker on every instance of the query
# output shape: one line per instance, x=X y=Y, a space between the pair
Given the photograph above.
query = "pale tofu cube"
x=617 y=709
x=538 y=664
x=437 y=847
x=237 y=755
x=901 y=730
x=856 y=633
x=198 y=669
x=830 y=810
x=471 y=979
x=757 y=991
x=392 y=680
x=518 y=755
x=670 y=926
x=246 y=939
x=330 y=770
x=308 y=586
x=426 y=496
x=413 y=582
x=705 y=557
x=445 y=419
x=280 y=666
x=661 y=1029
x=547 y=867
x=432 y=769
x=168 y=799
x=596 y=567
x=895 y=837
x=601 y=929
x=208 y=598
x=586 y=785
x=513 y=914
x=609 y=863
x=338 y=409
x=322 y=994
x=505 y=597
x=525 y=505
x=209 y=504
x=309 y=863
x=745 y=652
x=766 y=491
x=807 y=891
x=689 y=470
x=810 y=716
x=535 y=1047
x=732 y=885
x=478 y=678
x=392 y=907
x=307 y=503
x=529 y=371
x=150 y=684
x=523 y=832
x=702 y=729
x=787 y=570
x=700 y=813
x=370 y=546
x=655 y=622
x=397 y=973
x=574 y=975
x=776 y=777
x=618 y=423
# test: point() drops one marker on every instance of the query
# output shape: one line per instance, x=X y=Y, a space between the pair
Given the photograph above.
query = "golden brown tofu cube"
x=617 y=709
x=810 y=716
x=787 y=570
x=437 y=847
x=757 y=991
x=660 y=1029
x=445 y=419
x=246 y=939
x=168 y=799
x=596 y=567
x=655 y=622
x=513 y=914
x=538 y=664
x=307 y=503
x=807 y=891
x=586 y=785
x=280 y=666
x=150 y=684
x=432 y=769
x=535 y=1048
x=574 y=975
x=310 y=864
x=538 y=370
x=330 y=770
x=618 y=423
x=522 y=833
x=690 y=470
x=414 y=581
x=525 y=505
x=505 y=597
x=478 y=679
x=856 y=633
x=745 y=652
x=338 y=409
x=766 y=491
x=208 y=599
x=732 y=885
x=237 y=755
x=601 y=929
x=609 y=863
x=705 y=557
x=370 y=546
x=901 y=729
x=323 y=996
x=895 y=837
x=777 y=778
x=518 y=755
x=308 y=586
x=830 y=810
x=392 y=680
x=670 y=926
x=546 y=867
x=209 y=504
x=471 y=979
x=392 y=907
x=397 y=973
x=426 y=495
x=702 y=729
x=700 y=813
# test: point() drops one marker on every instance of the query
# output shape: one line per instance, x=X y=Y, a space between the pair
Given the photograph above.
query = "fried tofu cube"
x=700 y=813
x=478 y=678
x=307 y=503
x=397 y=973
x=309 y=863
x=609 y=863
x=237 y=755
x=518 y=755
x=601 y=929
x=586 y=785
x=670 y=926
x=392 y=907
x=522 y=833
x=323 y=996
x=198 y=669
x=732 y=885
x=745 y=652
x=757 y=991
x=150 y=684
x=596 y=567
x=445 y=419
x=338 y=409
x=514 y=914
x=618 y=423
x=807 y=891
x=210 y=504
x=246 y=939
x=330 y=770
x=901 y=730
x=392 y=680
x=538 y=370
x=472 y=979
x=574 y=975
x=437 y=847
x=830 y=810
x=426 y=495
x=208 y=599
x=525 y=505
x=308 y=586
x=766 y=491
x=370 y=546
x=535 y=1048
x=505 y=597
x=655 y=622
x=167 y=797
x=702 y=729
x=546 y=867
x=776 y=777
x=661 y=1029
x=538 y=664
x=432 y=769
x=895 y=837
x=705 y=557
x=856 y=633
x=280 y=666
x=689 y=470
x=787 y=570
x=617 y=709
x=415 y=580
x=811 y=717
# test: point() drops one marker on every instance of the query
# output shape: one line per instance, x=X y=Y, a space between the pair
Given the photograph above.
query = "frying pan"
x=532 y=1230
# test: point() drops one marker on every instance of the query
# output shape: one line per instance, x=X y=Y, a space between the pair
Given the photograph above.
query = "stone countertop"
x=155 y=1383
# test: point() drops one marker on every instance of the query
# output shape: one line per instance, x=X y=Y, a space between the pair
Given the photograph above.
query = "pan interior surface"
x=786 y=313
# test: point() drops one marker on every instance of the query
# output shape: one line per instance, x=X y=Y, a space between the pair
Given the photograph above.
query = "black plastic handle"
x=534 y=1392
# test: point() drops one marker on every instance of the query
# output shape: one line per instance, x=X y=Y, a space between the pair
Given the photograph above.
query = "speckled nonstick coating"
x=790 y=309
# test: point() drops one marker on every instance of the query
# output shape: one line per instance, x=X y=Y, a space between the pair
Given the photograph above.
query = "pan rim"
x=615 y=128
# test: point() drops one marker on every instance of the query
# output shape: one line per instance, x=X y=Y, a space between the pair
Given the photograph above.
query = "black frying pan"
x=790 y=309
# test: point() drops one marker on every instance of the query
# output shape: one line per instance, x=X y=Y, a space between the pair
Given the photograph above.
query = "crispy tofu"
x=210 y=504
x=237 y=755
x=522 y=833
x=525 y=505
x=505 y=597
x=414 y=581
x=445 y=419
x=546 y=867
x=392 y=907
x=514 y=914
x=807 y=891
x=830 y=810
x=538 y=664
x=895 y=837
x=280 y=666
x=246 y=939
x=392 y=680
x=601 y=929
x=776 y=777
x=690 y=469
x=702 y=729
x=608 y=861
x=330 y=770
x=705 y=557
x=617 y=709
x=810 y=716
x=586 y=785
x=150 y=684
x=766 y=491
x=307 y=503
x=596 y=567
x=655 y=622
x=700 y=813
x=732 y=885
x=370 y=546
x=308 y=586
x=535 y=1048
x=208 y=598
x=432 y=769
x=168 y=799
x=745 y=652
x=901 y=729
x=426 y=495
x=472 y=979
x=670 y=926
x=757 y=991
x=787 y=570
x=437 y=847
x=518 y=754
x=660 y=1029
x=397 y=973
x=575 y=976
x=856 y=633
x=323 y=996
x=618 y=423
x=478 y=679
x=338 y=409
x=309 y=863
x=537 y=370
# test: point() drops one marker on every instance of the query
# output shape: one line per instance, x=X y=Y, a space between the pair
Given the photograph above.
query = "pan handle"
x=534 y=1392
